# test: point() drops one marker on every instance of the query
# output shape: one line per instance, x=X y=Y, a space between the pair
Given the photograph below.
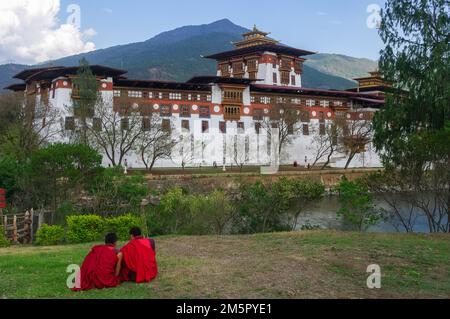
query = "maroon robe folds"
x=98 y=269
x=139 y=261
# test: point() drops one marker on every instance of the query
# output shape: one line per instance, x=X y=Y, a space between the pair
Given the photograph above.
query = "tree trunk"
x=350 y=159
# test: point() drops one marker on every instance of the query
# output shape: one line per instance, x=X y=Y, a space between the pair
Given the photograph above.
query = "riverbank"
x=318 y=264
x=209 y=179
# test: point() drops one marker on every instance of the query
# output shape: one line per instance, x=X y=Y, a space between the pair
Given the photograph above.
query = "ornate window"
x=225 y=69
x=232 y=112
x=324 y=103
x=185 y=111
x=146 y=124
x=135 y=94
x=285 y=77
x=258 y=128
x=257 y=115
x=185 y=125
x=204 y=112
x=175 y=96
x=252 y=65
x=205 y=126
x=310 y=103
x=232 y=96
x=166 y=125
x=241 y=127
x=223 y=127
x=166 y=110
x=306 y=129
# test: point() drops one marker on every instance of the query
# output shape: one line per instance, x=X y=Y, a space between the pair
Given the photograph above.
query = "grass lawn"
x=322 y=264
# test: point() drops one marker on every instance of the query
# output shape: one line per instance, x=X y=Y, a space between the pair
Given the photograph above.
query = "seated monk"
x=138 y=259
x=101 y=266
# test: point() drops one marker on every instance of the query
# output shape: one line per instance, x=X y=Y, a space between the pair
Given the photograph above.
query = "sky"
x=33 y=31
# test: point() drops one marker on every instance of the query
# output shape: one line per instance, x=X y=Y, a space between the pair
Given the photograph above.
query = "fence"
x=22 y=228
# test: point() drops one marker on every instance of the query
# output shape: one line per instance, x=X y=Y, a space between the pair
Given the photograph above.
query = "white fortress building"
x=222 y=119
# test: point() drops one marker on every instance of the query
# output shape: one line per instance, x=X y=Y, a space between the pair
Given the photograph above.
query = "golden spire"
x=255 y=37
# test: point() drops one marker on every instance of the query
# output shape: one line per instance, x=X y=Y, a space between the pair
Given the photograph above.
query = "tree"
x=25 y=126
x=237 y=148
x=357 y=204
x=60 y=170
x=409 y=130
x=325 y=144
x=305 y=193
x=258 y=211
x=357 y=135
x=155 y=141
x=114 y=193
x=85 y=97
x=116 y=130
x=282 y=118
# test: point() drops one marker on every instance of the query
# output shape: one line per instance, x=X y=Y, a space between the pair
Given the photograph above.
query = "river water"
x=324 y=215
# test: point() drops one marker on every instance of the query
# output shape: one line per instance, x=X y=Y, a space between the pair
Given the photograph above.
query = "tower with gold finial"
x=254 y=38
x=262 y=59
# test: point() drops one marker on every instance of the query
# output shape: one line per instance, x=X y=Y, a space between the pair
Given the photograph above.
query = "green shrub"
x=172 y=214
x=85 y=228
x=49 y=235
x=357 y=204
x=3 y=241
x=121 y=225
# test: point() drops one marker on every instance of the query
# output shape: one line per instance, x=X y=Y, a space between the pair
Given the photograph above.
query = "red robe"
x=98 y=269
x=139 y=261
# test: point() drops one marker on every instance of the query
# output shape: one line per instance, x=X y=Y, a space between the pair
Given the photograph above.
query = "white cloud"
x=108 y=10
x=31 y=33
x=321 y=13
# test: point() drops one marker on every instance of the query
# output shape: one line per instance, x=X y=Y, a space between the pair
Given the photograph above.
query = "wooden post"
x=15 y=234
x=5 y=226
x=32 y=226
x=41 y=219
x=26 y=229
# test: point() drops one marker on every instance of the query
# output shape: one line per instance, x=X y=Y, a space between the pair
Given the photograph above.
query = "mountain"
x=7 y=71
x=177 y=55
x=341 y=65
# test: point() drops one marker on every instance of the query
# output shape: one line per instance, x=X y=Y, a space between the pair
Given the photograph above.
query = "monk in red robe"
x=101 y=266
x=138 y=259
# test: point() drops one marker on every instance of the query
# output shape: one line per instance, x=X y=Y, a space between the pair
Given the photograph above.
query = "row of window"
x=185 y=124
x=283 y=100
x=164 y=96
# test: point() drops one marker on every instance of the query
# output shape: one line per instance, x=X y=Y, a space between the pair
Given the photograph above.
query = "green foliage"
x=59 y=169
x=116 y=193
x=357 y=204
x=3 y=241
x=261 y=208
x=8 y=175
x=49 y=235
x=85 y=228
x=209 y=214
x=181 y=213
x=418 y=62
x=275 y=206
x=86 y=86
x=121 y=225
x=171 y=215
